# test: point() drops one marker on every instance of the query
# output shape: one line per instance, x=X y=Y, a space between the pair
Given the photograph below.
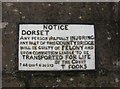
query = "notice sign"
x=51 y=47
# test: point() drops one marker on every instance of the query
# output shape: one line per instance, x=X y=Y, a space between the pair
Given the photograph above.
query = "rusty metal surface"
x=105 y=16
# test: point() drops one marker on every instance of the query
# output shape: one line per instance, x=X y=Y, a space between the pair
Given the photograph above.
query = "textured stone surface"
x=106 y=18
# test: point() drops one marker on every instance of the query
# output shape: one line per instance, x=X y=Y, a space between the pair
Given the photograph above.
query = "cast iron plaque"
x=51 y=47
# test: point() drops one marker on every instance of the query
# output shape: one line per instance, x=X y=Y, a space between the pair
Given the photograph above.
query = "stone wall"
x=106 y=18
